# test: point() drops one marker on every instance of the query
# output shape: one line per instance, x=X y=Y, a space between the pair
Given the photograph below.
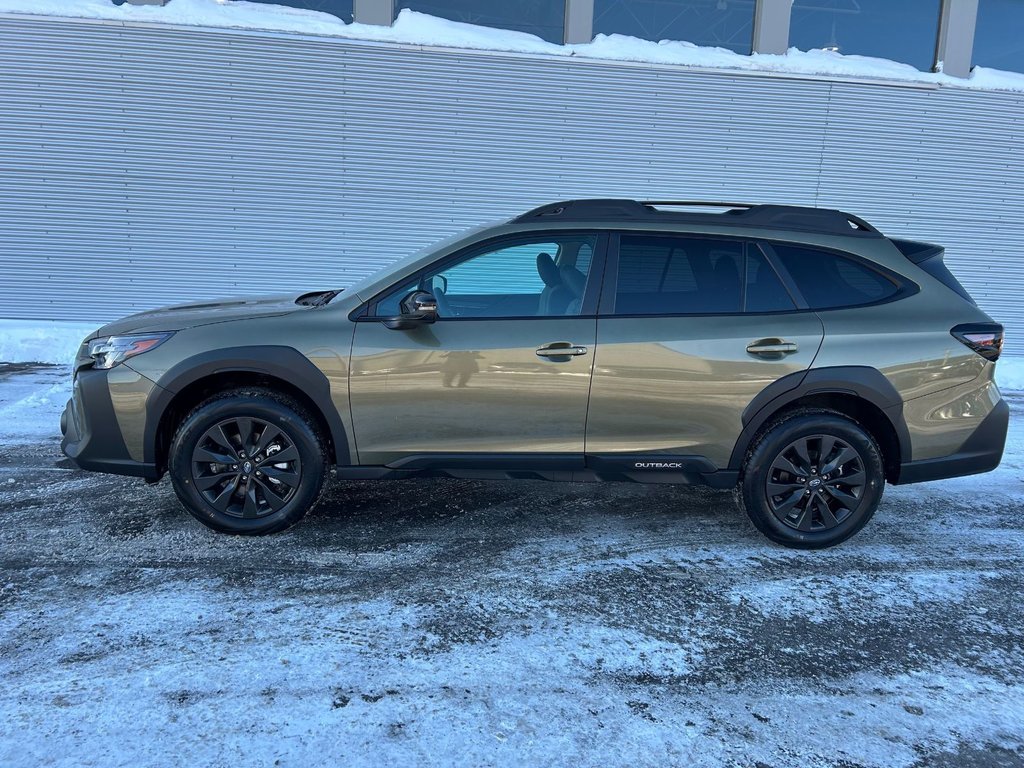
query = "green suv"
x=795 y=352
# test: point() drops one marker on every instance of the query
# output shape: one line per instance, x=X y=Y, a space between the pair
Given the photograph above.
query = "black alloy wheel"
x=246 y=467
x=249 y=461
x=812 y=478
x=815 y=483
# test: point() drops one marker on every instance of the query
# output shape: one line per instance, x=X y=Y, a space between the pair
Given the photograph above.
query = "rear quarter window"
x=828 y=280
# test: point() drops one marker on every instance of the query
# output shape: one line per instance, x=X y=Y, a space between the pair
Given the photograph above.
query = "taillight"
x=984 y=338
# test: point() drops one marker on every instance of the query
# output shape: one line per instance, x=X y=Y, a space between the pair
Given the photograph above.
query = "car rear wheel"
x=249 y=462
x=813 y=479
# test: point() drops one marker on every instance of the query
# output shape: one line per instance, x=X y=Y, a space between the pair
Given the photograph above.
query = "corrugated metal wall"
x=141 y=166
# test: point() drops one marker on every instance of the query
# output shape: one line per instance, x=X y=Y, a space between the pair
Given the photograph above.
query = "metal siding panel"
x=943 y=166
x=144 y=166
x=161 y=165
x=451 y=140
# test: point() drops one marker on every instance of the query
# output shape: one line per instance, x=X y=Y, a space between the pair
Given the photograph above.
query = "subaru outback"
x=795 y=353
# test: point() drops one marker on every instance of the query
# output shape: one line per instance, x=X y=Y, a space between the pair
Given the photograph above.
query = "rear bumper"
x=92 y=437
x=981 y=452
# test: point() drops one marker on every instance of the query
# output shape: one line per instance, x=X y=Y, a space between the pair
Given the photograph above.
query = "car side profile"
x=797 y=353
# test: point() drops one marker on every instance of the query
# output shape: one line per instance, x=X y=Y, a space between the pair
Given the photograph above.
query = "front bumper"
x=981 y=452
x=92 y=437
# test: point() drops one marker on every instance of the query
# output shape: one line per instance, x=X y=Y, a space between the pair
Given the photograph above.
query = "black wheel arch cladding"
x=280 y=362
x=863 y=382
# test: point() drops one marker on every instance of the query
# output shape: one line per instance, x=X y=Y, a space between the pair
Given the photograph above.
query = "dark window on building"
x=764 y=290
x=827 y=280
x=720 y=23
x=899 y=30
x=544 y=18
x=660 y=275
x=340 y=8
x=999 y=35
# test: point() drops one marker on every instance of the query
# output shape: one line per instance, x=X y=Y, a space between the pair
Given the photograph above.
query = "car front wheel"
x=813 y=479
x=248 y=461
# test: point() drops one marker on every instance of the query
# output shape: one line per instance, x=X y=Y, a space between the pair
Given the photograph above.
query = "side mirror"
x=418 y=308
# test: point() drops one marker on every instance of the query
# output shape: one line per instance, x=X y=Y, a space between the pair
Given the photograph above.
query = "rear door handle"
x=771 y=347
x=561 y=349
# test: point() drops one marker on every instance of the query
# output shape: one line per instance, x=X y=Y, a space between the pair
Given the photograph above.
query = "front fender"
x=281 y=362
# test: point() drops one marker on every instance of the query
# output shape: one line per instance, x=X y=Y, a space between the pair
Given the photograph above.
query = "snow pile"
x=200 y=13
x=1010 y=374
x=31 y=404
x=414 y=28
x=41 y=341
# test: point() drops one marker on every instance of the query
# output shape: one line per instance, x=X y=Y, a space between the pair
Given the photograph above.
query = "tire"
x=232 y=488
x=800 y=498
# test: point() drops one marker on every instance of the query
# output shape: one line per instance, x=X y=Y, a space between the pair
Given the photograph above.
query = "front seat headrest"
x=726 y=273
x=547 y=270
x=574 y=280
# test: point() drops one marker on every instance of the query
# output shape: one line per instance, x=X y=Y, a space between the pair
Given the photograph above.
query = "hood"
x=180 y=316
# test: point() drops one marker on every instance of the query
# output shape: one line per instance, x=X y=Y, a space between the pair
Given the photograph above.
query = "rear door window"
x=828 y=280
x=668 y=275
x=677 y=275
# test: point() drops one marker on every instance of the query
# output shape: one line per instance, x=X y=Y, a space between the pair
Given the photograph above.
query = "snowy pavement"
x=459 y=622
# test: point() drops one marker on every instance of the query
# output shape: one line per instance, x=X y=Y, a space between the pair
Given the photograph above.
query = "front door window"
x=544 y=277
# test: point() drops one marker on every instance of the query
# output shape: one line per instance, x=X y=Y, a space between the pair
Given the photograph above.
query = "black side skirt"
x=658 y=468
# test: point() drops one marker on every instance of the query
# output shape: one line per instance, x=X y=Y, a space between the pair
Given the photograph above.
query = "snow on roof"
x=413 y=28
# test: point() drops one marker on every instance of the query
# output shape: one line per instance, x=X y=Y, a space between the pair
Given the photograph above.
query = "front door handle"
x=561 y=349
x=771 y=347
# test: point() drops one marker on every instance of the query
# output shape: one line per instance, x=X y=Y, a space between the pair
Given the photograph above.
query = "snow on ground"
x=42 y=341
x=452 y=622
x=416 y=28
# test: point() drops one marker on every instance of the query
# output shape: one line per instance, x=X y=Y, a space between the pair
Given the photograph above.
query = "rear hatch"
x=985 y=338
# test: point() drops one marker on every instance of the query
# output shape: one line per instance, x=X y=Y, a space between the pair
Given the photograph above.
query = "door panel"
x=678 y=385
x=505 y=369
x=691 y=329
x=470 y=386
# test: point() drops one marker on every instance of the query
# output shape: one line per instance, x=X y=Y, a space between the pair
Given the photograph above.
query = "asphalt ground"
x=439 y=622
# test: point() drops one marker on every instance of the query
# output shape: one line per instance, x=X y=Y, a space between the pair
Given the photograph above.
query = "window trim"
x=784 y=277
x=905 y=287
x=367 y=311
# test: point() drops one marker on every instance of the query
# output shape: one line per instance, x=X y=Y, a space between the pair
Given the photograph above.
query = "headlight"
x=111 y=350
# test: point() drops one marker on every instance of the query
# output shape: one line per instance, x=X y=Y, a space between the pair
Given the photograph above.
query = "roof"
x=783 y=217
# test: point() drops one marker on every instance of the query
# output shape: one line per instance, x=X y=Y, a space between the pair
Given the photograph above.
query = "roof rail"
x=694 y=204
x=790 y=217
